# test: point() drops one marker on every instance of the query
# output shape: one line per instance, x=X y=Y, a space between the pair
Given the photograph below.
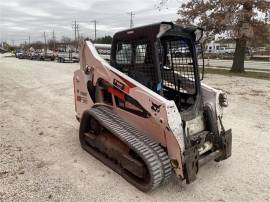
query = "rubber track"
x=152 y=154
x=163 y=157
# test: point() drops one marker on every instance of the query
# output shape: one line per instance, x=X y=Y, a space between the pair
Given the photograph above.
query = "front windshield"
x=177 y=67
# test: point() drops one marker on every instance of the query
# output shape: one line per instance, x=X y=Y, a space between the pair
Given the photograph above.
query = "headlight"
x=198 y=34
x=223 y=101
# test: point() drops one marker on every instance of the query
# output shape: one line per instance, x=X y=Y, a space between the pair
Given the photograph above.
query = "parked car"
x=34 y=55
x=68 y=57
x=104 y=50
x=19 y=55
x=229 y=50
x=22 y=55
x=49 y=55
x=18 y=52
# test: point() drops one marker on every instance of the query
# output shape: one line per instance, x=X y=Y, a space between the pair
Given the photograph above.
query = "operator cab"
x=163 y=58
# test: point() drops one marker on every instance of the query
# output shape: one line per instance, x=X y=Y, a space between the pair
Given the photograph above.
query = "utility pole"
x=131 y=18
x=29 y=40
x=53 y=41
x=95 y=23
x=44 y=34
x=74 y=26
x=78 y=33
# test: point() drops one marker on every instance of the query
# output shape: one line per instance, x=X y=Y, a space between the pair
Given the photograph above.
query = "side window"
x=135 y=60
x=123 y=54
x=140 y=54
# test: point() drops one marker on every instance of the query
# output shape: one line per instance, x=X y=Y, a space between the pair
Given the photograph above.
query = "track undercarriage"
x=124 y=149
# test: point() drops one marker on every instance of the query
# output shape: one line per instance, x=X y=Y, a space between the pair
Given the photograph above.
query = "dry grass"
x=248 y=74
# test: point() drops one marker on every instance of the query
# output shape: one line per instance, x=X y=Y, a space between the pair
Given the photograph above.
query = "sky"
x=20 y=19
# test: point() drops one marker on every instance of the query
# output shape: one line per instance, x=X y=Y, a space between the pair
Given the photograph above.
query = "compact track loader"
x=146 y=115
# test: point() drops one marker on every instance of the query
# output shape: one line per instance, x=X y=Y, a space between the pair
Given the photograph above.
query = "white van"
x=104 y=50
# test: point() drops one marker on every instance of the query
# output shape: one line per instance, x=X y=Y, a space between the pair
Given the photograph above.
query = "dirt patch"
x=41 y=158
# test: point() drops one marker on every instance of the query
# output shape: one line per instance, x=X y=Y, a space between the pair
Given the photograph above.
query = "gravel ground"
x=41 y=158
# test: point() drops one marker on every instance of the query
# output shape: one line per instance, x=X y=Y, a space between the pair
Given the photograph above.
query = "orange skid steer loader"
x=147 y=114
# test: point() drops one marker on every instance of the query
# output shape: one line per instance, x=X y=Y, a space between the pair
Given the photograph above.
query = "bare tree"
x=66 y=40
x=37 y=45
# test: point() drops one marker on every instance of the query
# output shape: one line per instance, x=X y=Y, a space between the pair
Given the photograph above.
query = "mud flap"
x=224 y=143
x=191 y=164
